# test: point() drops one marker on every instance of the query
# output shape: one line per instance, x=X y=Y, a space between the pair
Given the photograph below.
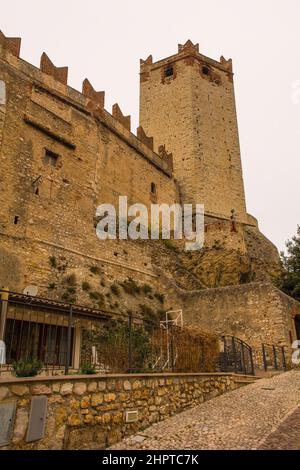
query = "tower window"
x=205 y=70
x=153 y=188
x=50 y=158
x=169 y=71
x=16 y=219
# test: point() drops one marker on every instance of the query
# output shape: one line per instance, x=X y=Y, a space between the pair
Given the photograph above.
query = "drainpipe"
x=4 y=303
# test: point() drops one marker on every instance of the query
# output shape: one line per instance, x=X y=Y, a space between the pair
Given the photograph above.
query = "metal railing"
x=235 y=356
x=68 y=338
x=274 y=357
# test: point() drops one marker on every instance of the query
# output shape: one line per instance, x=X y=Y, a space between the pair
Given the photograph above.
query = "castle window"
x=153 y=188
x=16 y=219
x=205 y=70
x=169 y=71
x=50 y=158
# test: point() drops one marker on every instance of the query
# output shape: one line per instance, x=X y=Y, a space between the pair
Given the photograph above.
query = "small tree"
x=290 y=280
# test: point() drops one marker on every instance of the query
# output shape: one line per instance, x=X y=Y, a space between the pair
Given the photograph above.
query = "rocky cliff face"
x=228 y=258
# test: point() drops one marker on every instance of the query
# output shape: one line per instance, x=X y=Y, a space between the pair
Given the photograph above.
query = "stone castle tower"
x=187 y=103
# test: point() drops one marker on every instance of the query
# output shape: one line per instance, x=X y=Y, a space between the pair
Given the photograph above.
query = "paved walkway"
x=263 y=415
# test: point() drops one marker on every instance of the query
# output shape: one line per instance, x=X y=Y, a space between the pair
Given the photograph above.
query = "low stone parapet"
x=88 y=412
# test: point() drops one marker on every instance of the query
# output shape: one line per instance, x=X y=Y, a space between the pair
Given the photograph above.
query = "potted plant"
x=27 y=367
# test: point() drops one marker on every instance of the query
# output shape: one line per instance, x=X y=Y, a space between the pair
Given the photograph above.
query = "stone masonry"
x=87 y=413
x=62 y=154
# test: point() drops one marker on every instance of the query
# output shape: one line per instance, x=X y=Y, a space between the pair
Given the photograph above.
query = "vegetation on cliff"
x=289 y=281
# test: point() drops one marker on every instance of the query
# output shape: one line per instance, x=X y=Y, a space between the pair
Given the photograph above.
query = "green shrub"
x=113 y=346
x=160 y=297
x=27 y=367
x=95 y=270
x=52 y=261
x=70 y=280
x=130 y=286
x=146 y=289
x=168 y=244
x=68 y=297
x=148 y=313
x=98 y=297
x=115 y=289
x=95 y=295
x=88 y=369
x=71 y=290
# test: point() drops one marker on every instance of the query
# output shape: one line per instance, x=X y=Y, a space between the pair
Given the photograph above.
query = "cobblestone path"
x=263 y=415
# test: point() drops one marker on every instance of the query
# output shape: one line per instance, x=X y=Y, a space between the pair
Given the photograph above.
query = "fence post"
x=283 y=358
x=234 y=354
x=264 y=357
x=275 y=357
x=67 y=365
x=251 y=361
x=130 y=343
x=172 y=350
x=225 y=355
x=4 y=304
x=243 y=359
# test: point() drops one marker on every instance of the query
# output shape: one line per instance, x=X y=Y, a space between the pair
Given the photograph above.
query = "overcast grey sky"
x=104 y=40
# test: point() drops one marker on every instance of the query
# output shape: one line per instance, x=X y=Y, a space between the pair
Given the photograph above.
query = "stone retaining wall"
x=256 y=313
x=90 y=412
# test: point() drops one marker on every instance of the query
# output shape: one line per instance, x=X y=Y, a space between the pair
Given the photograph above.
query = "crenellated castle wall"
x=62 y=155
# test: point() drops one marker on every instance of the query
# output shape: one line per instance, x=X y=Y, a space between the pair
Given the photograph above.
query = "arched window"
x=2 y=93
x=205 y=70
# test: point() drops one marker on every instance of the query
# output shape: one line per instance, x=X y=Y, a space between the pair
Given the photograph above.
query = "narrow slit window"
x=16 y=219
x=169 y=71
x=153 y=188
x=50 y=158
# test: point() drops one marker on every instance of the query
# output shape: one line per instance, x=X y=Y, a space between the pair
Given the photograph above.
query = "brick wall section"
x=90 y=412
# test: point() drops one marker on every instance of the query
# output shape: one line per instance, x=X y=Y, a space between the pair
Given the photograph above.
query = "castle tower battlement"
x=53 y=81
x=187 y=102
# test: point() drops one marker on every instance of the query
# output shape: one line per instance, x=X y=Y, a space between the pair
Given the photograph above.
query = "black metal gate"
x=235 y=356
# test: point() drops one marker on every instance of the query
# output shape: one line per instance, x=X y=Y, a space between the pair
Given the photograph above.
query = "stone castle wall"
x=49 y=209
x=86 y=413
x=256 y=313
x=62 y=154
